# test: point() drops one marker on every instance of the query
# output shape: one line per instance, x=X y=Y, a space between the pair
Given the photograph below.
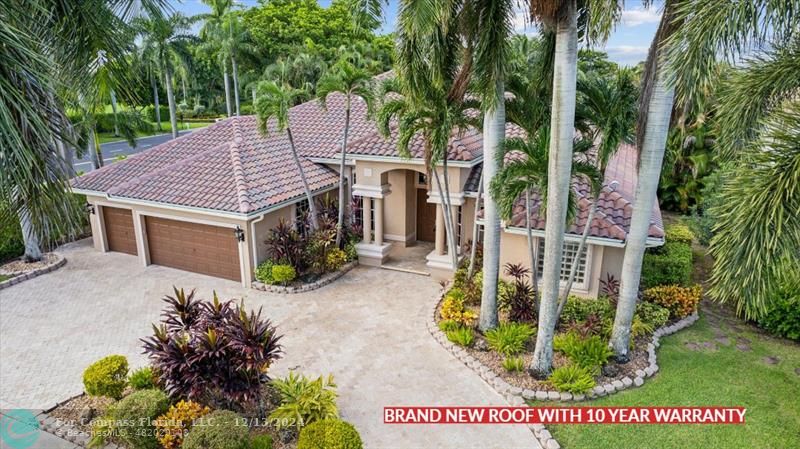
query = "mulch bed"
x=611 y=371
x=19 y=266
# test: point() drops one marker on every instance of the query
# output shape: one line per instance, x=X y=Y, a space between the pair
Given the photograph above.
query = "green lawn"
x=3 y=277
x=165 y=128
x=726 y=376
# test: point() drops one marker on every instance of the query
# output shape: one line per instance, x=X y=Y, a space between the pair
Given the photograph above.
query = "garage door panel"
x=195 y=247
x=120 y=234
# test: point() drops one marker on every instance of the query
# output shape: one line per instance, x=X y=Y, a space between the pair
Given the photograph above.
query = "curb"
x=321 y=282
x=516 y=396
x=32 y=274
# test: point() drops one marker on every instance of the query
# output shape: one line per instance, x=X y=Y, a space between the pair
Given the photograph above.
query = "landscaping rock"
x=639 y=373
x=579 y=397
x=743 y=347
x=481 y=345
x=530 y=394
x=608 y=388
x=649 y=371
x=627 y=381
x=516 y=391
x=618 y=385
x=537 y=429
x=599 y=390
x=541 y=395
x=545 y=435
x=638 y=381
x=610 y=370
x=552 y=444
x=566 y=396
x=771 y=360
x=553 y=395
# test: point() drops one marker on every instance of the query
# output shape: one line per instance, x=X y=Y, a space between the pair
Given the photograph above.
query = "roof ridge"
x=167 y=167
x=238 y=171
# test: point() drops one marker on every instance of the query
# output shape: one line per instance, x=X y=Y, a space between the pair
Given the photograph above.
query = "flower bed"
x=18 y=271
x=300 y=287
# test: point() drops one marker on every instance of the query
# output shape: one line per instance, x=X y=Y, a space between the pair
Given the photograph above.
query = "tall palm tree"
x=274 y=102
x=165 y=41
x=213 y=23
x=234 y=43
x=686 y=61
x=352 y=82
x=561 y=16
x=39 y=57
x=608 y=105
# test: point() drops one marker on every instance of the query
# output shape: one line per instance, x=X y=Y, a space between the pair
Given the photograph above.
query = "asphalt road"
x=113 y=149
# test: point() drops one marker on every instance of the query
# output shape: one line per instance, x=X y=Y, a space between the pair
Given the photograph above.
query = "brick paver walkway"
x=364 y=329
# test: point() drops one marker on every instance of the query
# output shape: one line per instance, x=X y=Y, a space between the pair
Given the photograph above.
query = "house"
x=205 y=202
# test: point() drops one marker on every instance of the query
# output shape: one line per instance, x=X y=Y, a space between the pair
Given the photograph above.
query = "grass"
x=3 y=277
x=723 y=377
x=106 y=137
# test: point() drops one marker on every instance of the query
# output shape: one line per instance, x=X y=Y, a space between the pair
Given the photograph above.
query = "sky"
x=627 y=45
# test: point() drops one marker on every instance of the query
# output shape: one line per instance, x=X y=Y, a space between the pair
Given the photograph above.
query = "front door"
x=426 y=217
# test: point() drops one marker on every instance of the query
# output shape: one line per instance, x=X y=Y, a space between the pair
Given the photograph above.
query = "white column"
x=365 y=219
x=379 y=221
x=140 y=230
x=440 y=236
x=454 y=220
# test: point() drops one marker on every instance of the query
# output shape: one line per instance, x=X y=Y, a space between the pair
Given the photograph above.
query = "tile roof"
x=614 y=208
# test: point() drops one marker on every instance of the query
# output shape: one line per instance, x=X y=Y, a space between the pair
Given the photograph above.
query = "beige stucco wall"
x=263 y=227
x=399 y=209
x=601 y=259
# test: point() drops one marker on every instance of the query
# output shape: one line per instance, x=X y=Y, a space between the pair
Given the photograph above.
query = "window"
x=422 y=179
x=567 y=254
x=358 y=216
x=459 y=226
x=301 y=216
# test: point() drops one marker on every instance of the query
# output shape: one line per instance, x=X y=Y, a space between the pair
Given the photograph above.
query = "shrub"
x=197 y=343
x=350 y=251
x=11 y=244
x=514 y=364
x=592 y=325
x=320 y=243
x=680 y=301
x=133 y=416
x=609 y=287
x=335 y=259
x=173 y=425
x=285 y=244
x=463 y=336
x=448 y=325
x=578 y=309
x=221 y=429
x=679 y=233
x=329 y=434
x=783 y=317
x=142 y=379
x=519 y=299
x=263 y=441
x=264 y=272
x=106 y=377
x=472 y=287
x=640 y=328
x=509 y=338
x=453 y=309
x=572 y=378
x=590 y=353
x=652 y=314
x=283 y=274
x=304 y=401
x=671 y=264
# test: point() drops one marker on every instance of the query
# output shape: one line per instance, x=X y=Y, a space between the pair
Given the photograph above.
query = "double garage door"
x=194 y=247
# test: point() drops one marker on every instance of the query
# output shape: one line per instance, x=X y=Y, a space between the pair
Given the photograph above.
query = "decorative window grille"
x=567 y=254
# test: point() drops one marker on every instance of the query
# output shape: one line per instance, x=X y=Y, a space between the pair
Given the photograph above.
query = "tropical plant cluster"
x=298 y=251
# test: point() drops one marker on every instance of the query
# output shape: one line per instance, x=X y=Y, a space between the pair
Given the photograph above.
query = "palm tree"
x=213 y=23
x=561 y=16
x=608 y=105
x=39 y=53
x=352 y=82
x=273 y=102
x=686 y=61
x=234 y=42
x=165 y=41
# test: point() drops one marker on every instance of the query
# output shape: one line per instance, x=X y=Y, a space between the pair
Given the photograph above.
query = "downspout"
x=253 y=241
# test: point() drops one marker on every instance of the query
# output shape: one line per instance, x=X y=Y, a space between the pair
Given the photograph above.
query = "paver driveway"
x=364 y=329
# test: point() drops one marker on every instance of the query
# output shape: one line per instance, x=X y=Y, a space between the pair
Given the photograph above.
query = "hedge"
x=668 y=265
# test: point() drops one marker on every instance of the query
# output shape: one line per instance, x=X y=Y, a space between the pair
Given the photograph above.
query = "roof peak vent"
x=613 y=185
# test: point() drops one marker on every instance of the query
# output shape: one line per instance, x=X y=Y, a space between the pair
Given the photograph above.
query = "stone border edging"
x=34 y=273
x=321 y=282
x=516 y=396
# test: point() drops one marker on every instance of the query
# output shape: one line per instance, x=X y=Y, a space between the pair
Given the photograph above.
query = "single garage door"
x=195 y=247
x=119 y=230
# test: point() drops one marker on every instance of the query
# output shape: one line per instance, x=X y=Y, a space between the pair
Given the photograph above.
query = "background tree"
x=352 y=82
x=273 y=102
x=211 y=32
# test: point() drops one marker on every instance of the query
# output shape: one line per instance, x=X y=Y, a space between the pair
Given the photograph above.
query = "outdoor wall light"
x=239 y=234
x=89 y=208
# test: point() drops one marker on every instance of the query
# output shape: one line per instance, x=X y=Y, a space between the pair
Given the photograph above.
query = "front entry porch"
x=403 y=221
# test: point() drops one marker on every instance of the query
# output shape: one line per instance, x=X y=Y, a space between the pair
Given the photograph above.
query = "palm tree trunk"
x=183 y=84
x=494 y=130
x=227 y=90
x=573 y=271
x=312 y=208
x=340 y=220
x=155 y=100
x=91 y=148
x=254 y=95
x=529 y=232
x=474 y=246
x=114 y=110
x=33 y=250
x=173 y=116
x=235 y=83
x=448 y=215
x=650 y=159
x=562 y=127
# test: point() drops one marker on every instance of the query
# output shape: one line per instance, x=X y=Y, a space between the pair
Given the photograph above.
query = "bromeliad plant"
x=520 y=299
x=213 y=352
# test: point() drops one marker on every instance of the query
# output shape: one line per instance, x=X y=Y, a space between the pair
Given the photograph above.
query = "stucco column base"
x=372 y=254
x=440 y=265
